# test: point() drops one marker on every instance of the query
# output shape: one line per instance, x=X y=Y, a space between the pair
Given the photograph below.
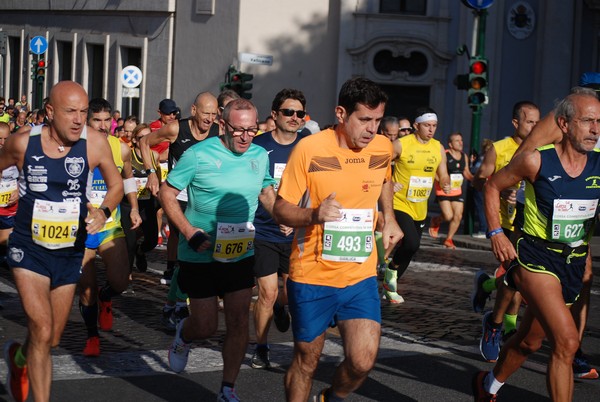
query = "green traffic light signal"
x=478 y=82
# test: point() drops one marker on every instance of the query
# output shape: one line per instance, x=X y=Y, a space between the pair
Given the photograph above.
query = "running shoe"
x=227 y=394
x=105 y=317
x=390 y=280
x=140 y=261
x=92 y=347
x=449 y=244
x=260 y=359
x=489 y=345
x=168 y=319
x=478 y=235
x=167 y=276
x=281 y=317
x=179 y=351
x=582 y=369
x=479 y=392
x=392 y=297
x=479 y=296
x=434 y=226
x=17 y=381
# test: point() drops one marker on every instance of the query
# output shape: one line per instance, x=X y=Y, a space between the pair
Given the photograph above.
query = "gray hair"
x=565 y=108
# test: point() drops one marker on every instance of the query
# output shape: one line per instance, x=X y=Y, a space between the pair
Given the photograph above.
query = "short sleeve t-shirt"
x=316 y=168
x=223 y=189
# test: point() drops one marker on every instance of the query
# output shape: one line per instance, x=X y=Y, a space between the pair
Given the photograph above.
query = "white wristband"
x=129 y=186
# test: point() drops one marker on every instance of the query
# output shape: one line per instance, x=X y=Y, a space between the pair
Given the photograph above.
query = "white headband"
x=426 y=117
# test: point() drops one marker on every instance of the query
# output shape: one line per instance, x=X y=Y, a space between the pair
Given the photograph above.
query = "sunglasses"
x=290 y=113
x=406 y=129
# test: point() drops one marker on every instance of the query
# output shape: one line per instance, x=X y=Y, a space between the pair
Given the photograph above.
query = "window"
x=65 y=60
x=411 y=7
x=95 y=55
x=404 y=100
x=415 y=64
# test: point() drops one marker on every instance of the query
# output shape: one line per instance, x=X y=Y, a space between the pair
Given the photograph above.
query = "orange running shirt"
x=316 y=168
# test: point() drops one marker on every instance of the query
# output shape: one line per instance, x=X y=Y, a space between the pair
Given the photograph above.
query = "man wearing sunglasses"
x=226 y=177
x=329 y=192
x=273 y=244
x=405 y=126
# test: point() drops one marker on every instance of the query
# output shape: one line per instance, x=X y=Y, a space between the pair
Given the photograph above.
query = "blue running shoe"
x=489 y=345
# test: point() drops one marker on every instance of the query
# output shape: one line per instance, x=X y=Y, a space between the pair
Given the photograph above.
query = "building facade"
x=536 y=49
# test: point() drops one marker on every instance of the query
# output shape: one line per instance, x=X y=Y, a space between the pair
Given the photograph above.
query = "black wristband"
x=106 y=211
x=196 y=240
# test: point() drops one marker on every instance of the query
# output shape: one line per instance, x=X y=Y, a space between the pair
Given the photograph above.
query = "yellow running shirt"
x=505 y=149
x=415 y=171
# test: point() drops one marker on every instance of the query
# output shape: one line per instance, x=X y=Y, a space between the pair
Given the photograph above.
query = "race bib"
x=142 y=191
x=571 y=219
x=54 y=225
x=456 y=181
x=7 y=187
x=419 y=188
x=233 y=241
x=278 y=169
x=97 y=198
x=349 y=239
x=164 y=171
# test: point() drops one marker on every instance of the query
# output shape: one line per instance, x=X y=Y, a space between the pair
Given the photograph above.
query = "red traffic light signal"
x=41 y=63
x=478 y=82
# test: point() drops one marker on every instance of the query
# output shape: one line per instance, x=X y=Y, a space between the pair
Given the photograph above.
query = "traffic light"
x=478 y=82
x=34 y=63
x=238 y=81
x=41 y=70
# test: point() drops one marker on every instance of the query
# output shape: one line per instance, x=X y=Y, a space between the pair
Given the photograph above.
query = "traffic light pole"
x=480 y=21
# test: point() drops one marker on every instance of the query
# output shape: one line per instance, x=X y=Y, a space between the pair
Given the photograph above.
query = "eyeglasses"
x=169 y=114
x=587 y=121
x=290 y=113
x=406 y=129
x=237 y=132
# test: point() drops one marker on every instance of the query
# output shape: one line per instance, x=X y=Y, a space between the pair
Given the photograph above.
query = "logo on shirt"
x=554 y=178
x=218 y=163
x=16 y=254
x=594 y=183
x=37 y=157
x=74 y=166
x=186 y=140
x=269 y=151
x=354 y=160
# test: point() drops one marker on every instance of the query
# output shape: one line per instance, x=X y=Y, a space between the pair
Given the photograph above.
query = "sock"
x=171 y=265
x=510 y=322
x=20 y=359
x=490 y=384
x=490 y=285
x=90 y=318
x=106 y=293
x=330 y=396
x=226 y=384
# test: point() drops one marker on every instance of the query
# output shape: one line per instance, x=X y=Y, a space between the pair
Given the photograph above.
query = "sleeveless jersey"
x=184 y=140
x=505 y=149
x=141 y=176
x=52 y=204
x=415 y=170
x=97 y=190
x=456 y=167
x=266 y=228
x=561 y=208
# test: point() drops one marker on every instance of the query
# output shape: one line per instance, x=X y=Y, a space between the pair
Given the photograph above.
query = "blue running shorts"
x=315 y=307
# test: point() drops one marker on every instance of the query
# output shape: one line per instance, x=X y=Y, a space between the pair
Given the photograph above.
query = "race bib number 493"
x=351 y=238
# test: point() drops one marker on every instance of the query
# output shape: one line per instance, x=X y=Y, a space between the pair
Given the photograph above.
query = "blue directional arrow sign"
x=38 y=45
x=131 y=76
x=478 y=4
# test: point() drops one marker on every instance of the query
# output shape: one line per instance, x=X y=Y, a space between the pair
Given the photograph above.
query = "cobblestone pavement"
x=436 y=314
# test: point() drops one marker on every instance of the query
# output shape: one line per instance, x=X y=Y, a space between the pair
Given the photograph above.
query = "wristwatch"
x=148 y=171
x=106 y=211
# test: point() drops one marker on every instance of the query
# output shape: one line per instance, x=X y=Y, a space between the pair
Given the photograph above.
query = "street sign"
x=131 y=92
x=478 y=4
x=38 y=45
x=253 y=58
x=131 y=76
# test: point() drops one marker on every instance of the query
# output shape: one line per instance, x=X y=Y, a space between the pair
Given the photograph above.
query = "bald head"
x=204 y=110
x=66 y=110
x=65 y=88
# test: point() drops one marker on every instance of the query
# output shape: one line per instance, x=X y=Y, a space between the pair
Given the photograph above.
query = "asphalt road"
x=428 y=353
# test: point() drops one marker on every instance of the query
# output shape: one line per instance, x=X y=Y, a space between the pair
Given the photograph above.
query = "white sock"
x=490 y=384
